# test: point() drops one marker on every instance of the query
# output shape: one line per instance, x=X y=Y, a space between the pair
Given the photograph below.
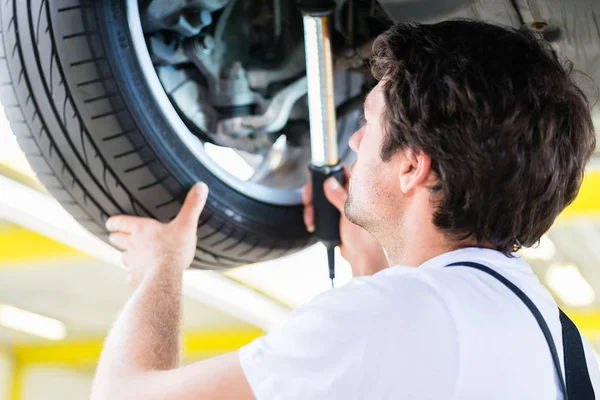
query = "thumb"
x=193 y=205
x=335 y=193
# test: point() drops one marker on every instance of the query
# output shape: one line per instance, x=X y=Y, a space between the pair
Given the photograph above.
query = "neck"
x=413 y=253
x=412 y=241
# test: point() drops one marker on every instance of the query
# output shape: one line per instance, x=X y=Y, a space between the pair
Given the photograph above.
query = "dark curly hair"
x=508 y=130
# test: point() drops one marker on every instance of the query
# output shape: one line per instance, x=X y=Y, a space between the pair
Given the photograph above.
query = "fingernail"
x=332 y=183
x=201 y=188
x=108 y=224
x=310 y=228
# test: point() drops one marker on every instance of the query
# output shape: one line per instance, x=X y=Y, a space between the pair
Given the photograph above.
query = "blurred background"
x=61 y=288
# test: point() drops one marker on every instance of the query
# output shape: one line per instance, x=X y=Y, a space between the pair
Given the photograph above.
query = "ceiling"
x=86 y=295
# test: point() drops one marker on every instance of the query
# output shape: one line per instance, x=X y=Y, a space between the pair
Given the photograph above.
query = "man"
x=475 y=139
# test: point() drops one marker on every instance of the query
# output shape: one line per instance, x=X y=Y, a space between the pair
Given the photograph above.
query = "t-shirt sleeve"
x=353 y=343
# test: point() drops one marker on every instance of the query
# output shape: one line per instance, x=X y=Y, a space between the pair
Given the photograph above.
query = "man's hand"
x=148 y=244
x=141 y=355
x=359 y=247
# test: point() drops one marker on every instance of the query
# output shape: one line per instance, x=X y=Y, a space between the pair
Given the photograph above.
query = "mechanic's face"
x=374 y=197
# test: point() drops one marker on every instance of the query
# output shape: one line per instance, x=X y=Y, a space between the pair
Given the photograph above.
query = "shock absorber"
x=325 y=161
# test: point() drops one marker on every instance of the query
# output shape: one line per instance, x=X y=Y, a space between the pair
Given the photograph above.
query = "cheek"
x=366 y=172
x=365 y=178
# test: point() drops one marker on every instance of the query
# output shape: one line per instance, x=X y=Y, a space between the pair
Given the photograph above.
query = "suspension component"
x=187 y=18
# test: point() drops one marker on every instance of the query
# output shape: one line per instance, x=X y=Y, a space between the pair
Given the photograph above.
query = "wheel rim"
x=205 y=153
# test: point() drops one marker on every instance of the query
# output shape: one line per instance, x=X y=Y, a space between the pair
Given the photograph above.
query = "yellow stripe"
x=197 y=346
x=19 y=244
x=15 y=390
x=82 y=353
x=586 y=321
x=587 y=202
x=72 y=353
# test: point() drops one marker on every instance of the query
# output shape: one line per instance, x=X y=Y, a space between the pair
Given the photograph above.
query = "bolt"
x=538 y=26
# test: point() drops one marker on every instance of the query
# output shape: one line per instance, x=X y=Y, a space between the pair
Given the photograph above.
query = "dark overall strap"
x=578 y=383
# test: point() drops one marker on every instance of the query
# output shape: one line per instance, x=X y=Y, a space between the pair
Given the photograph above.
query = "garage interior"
x=61 y=288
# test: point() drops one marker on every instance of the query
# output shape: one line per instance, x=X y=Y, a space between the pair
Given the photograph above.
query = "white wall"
x=5 y=376
x=56 y=383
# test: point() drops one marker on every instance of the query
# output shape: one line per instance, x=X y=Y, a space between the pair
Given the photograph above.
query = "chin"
x=348 y=212
x=352 y=212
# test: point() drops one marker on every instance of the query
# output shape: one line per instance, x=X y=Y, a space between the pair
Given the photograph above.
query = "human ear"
x=415 y=168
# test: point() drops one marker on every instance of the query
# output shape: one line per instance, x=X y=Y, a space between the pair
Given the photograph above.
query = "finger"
x=119 y=239
x=335 y=193
x=307 y=194
x=309 y=218
x=193 y=205
x=122 y=223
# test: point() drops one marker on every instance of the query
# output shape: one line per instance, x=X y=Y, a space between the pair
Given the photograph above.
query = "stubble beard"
x=355 y=214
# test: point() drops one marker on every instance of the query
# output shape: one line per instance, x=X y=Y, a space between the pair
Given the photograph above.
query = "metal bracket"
x=275 y=116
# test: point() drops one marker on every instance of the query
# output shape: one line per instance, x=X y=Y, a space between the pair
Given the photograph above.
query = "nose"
x=355 y=140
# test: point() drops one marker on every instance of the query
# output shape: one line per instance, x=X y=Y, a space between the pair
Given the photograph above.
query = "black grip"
x=316 y=7
x=327 y=217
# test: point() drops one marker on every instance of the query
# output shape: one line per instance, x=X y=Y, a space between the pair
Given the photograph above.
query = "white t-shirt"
x=416 y=333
